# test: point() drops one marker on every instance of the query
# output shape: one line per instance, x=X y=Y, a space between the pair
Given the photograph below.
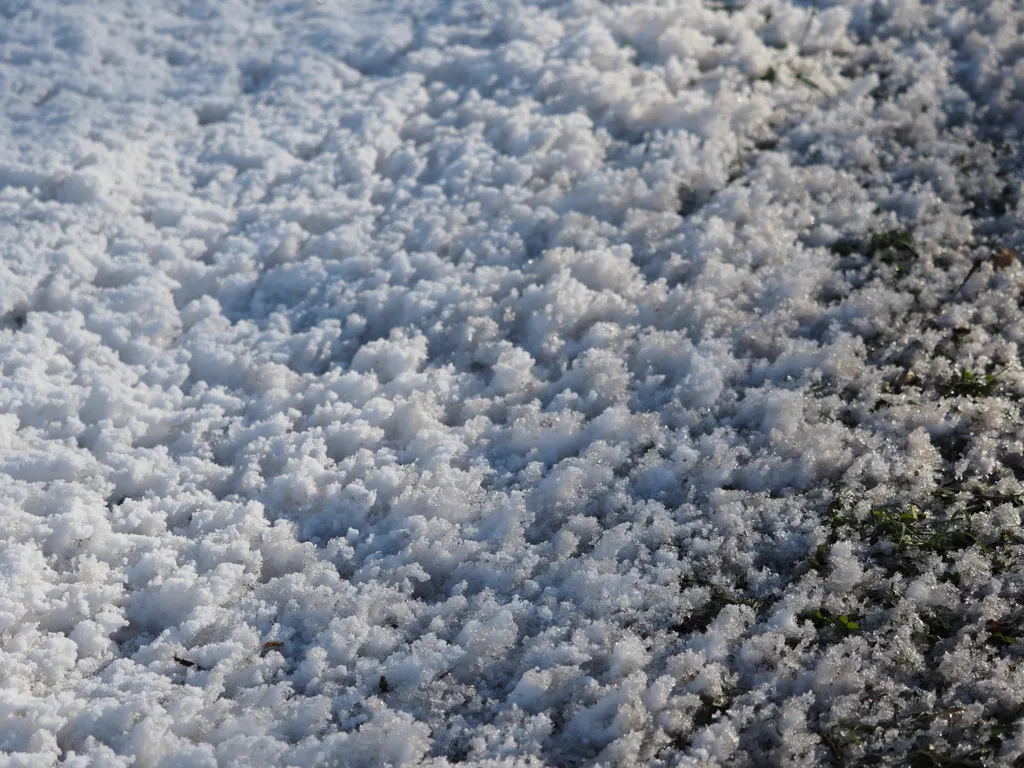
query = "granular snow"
x=626 y=383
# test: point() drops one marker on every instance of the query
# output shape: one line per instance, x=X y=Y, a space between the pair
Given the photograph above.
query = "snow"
x=539 y=382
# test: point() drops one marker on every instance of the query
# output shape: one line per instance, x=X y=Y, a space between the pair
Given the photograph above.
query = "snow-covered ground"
x=495 y=382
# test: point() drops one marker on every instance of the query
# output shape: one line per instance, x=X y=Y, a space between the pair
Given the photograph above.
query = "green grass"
x=892 y=247
x=889 y=243
x=842 y=624
x=699 y=619
x=968 y=384
x=938 y=737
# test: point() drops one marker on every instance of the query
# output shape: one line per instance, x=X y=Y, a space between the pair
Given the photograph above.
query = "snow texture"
x=511 y=382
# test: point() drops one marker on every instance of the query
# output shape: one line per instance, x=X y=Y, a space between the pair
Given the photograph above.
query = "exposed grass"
x=710 y=709
x=842 y=624
x=699 y=619
x=892 y=247
x=904 y=539
x=889 y=243
x=1001 y=635
x=968 y=384
x=937 y=737
x=939 y=625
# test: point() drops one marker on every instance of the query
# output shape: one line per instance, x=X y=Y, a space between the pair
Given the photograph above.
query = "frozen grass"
x=511 y=383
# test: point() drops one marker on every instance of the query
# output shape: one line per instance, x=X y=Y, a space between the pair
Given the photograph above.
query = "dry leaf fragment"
x=184 y=662
x=1003 y=258
x=384 y=687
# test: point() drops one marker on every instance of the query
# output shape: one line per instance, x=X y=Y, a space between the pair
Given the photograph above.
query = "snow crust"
x=504 y=351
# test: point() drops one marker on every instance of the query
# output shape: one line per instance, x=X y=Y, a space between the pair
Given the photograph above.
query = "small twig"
x=1001 y=259
x=52 y=91
x=1001 y=372
x=807 y=81
x=807 y=27
x=970 y=274
x=803 y=36
x=739 y=160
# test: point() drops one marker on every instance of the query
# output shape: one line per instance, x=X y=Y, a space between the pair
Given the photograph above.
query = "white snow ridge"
x=511 y=383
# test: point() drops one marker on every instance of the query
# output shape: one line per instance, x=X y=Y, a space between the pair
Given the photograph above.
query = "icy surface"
x=510 y=383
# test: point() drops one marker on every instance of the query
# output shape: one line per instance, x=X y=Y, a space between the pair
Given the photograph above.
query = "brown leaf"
x=184 y=662
x=1003 y=258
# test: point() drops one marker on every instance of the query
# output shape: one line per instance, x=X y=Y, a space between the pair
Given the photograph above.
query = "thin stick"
x=807 y=27
x=970 y=274
x=807 y=81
